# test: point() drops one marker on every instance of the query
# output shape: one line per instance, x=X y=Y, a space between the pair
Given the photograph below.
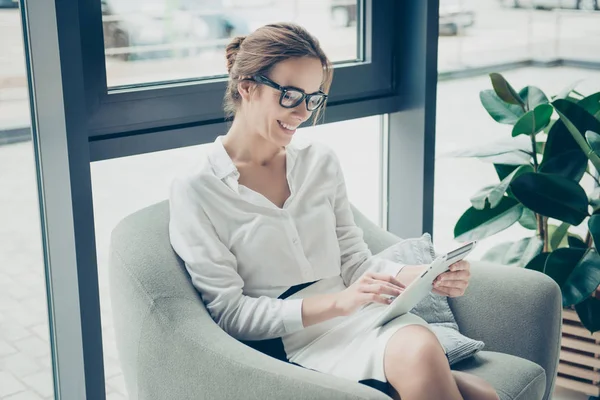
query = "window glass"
x=164 y=40
x=25 y=361
x=495 y=35
x=482 y=33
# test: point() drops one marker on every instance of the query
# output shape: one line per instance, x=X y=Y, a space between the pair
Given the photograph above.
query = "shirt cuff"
x=292 y=315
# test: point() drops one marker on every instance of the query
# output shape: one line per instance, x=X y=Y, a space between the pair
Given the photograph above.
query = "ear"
x=245 y=89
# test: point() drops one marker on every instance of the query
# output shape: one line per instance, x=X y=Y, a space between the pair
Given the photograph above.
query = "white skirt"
x=346 y=347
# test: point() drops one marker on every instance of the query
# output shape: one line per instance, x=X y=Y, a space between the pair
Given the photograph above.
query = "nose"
x=301 y=112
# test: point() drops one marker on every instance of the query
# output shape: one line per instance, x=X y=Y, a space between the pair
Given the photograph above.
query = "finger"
x=387 y=278
x=382 y=288
x=375 y=298
x=460 y=265
x=372 y=281
x=447 y=293
x=451 y=291
x=462 y=275
x=452 y=284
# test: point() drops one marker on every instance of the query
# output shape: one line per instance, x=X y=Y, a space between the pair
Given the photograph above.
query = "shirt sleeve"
x=356 y=258
x=213 y=271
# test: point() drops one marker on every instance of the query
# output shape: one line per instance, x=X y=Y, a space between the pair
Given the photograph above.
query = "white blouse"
x=242 y=251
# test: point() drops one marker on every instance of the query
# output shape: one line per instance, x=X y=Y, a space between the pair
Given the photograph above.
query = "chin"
x=283 y=140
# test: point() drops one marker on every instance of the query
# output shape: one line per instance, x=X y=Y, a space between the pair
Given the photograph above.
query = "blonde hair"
x=257 y=54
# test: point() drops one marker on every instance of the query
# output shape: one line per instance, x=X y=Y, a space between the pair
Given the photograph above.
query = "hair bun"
x=231 y=51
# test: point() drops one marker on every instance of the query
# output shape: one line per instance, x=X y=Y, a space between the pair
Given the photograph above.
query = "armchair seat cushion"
x=514 y=378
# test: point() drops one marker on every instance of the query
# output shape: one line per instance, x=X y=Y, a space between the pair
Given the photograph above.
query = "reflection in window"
x=163 y=40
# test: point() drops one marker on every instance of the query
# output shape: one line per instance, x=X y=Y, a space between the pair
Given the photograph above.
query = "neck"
x=248 y=146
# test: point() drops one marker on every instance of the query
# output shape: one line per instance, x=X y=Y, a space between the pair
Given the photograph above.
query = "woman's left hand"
x=453 y=283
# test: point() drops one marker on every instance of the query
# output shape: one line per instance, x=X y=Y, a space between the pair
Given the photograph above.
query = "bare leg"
x=416 y=366
x=473 y=387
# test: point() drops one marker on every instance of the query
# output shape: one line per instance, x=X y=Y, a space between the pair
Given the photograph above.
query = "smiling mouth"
x=287 y=127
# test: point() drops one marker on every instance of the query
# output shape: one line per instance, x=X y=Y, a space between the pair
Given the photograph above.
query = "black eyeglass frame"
x=284 y=89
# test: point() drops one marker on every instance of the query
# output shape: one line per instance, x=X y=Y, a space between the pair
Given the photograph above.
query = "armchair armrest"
x=514 y=311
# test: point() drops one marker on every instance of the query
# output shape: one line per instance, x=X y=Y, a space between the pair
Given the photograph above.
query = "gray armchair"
x=170 y=348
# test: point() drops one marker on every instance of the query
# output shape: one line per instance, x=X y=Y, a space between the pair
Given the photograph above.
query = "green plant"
x=540 y=171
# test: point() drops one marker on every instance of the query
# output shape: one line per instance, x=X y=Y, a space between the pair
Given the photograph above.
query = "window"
x=25 y=361
x=162 y=40
x=97 y=122
x=505 y=34
x=477 y=34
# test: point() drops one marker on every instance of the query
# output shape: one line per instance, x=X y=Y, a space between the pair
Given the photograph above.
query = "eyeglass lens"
x=291 y=98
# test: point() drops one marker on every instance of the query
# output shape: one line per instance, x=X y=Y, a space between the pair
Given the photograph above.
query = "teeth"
x=286 y=126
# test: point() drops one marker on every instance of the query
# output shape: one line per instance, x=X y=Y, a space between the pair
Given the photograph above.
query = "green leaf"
x=578 y=120
x=591 y=104
x=567 y=90
x=560 y=141
x=594 y=227
x=552 y=196
x=549 y=127
x=565 y=240
x=528 y=220
x=570 y=164
x=540 y=146
x=479 y=224
x=503 y=170
x=584 y=279
x=480 y=199
x=501 y=152
x=499 y=110
x=575 y=241
x=557 y=237
x=589 y=313
x=560 y=264
x=533 y=121
x=594 y=199
x=533 y=96
x=538 y=262
x=515 y=254
x=504 y=90
x=493 y=194
x=593 y=140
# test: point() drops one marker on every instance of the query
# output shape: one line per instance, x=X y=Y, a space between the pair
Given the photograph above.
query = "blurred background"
x=154 y=42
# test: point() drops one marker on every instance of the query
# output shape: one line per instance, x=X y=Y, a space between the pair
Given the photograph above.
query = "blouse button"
x=295 y=240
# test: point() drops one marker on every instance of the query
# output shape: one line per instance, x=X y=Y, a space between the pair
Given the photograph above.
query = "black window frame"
x=135 y=119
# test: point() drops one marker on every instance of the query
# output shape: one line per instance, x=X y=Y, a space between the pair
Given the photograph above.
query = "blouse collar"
x=224 y=167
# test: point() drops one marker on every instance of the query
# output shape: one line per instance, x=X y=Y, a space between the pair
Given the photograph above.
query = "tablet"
x=422 y=286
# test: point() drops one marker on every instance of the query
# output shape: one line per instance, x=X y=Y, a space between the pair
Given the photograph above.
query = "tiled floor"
x=24 y=349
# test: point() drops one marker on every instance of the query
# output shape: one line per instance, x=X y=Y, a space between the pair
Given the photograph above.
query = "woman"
x=268 y=237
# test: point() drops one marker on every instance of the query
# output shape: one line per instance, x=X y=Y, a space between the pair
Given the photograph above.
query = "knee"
x=414 y=344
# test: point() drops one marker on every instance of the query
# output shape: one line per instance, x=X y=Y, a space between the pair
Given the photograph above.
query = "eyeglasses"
x=291 y=96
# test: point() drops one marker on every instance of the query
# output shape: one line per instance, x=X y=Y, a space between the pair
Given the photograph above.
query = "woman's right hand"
x=369 y=288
